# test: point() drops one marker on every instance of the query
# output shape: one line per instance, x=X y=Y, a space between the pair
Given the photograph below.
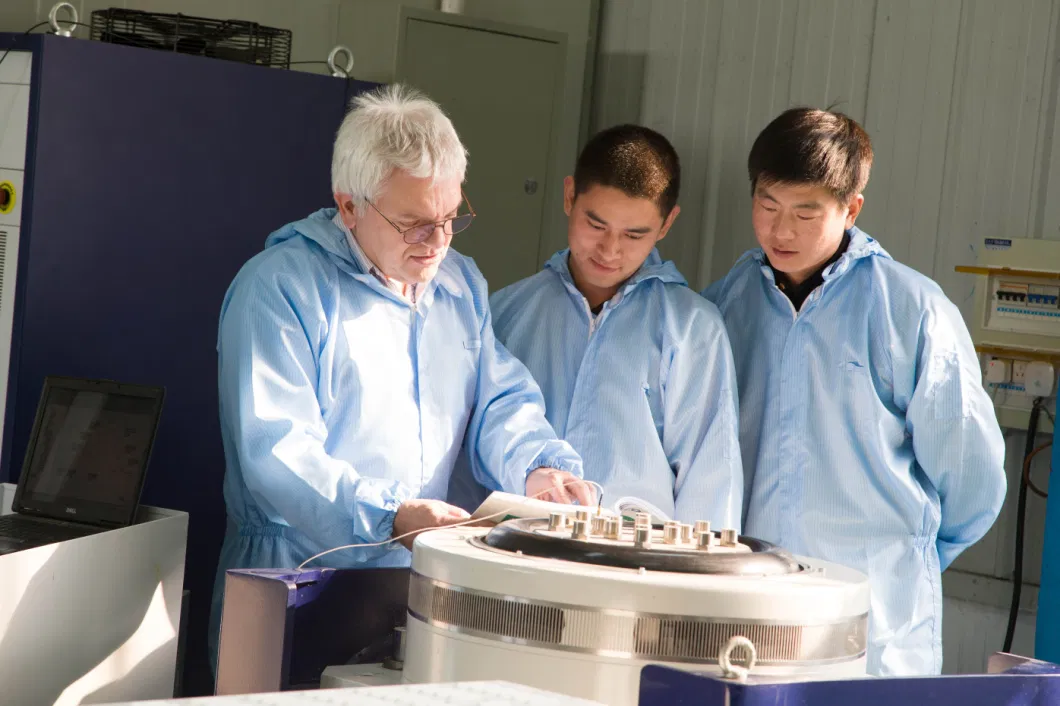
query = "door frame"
x=548 y=242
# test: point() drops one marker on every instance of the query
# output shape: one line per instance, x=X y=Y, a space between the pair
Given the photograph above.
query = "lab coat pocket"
x=859 y=401
x=473 y=350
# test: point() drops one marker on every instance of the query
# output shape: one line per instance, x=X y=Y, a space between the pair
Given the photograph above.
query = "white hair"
x=393 y=127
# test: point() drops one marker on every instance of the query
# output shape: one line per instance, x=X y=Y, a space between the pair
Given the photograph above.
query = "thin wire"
x=599 y=505
x=1052 y=419
x=1027 y=470
x=39 y=24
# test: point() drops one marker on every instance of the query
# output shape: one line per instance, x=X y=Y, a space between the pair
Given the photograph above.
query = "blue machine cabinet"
x=1047 y=631
x=662 y=686
x=151 y=177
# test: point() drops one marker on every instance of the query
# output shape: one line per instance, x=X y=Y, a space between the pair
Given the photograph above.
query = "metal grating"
x=627 y=634
x=233 y=40
x=519 y=620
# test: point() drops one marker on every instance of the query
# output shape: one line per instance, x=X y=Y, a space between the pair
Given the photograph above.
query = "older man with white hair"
x=356 y=354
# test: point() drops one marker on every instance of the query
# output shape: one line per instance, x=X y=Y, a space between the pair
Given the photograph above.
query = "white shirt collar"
x=407 y=292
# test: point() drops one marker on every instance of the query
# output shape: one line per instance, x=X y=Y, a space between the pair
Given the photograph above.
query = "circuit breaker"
x=1016 y=327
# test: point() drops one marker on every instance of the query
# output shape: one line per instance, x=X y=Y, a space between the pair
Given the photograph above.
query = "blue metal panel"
x=332 y=616
x=661 y=686
x=1047 y=632
x=153 y=178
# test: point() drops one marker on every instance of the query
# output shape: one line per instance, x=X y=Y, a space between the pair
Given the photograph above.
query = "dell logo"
x=71 y=511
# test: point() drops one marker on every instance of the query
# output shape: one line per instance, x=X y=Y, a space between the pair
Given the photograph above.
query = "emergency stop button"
x=7 y=197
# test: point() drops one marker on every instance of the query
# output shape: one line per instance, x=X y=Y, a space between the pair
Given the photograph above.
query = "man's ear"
x=568 y=195
x=347 y=210
x=669 y=222
x=853 y=209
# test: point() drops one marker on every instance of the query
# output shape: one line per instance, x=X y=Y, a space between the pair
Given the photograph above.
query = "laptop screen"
x=90 y=450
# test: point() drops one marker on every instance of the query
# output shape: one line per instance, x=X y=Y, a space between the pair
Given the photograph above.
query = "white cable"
x=600 y=498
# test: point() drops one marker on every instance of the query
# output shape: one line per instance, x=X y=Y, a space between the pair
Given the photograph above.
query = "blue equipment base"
x=663 y=686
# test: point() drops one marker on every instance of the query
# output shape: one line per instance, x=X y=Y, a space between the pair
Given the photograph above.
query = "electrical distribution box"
x=1016 y=327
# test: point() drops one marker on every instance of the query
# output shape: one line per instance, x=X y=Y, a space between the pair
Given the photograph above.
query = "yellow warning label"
x=7 y=197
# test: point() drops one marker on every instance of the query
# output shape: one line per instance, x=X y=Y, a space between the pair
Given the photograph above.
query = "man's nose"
x=609 y=244
x=437 y=237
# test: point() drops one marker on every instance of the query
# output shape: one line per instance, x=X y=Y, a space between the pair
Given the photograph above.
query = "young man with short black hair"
x=635 y=367
x=867 y=437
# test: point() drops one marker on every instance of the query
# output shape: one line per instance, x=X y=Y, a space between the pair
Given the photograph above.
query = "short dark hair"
x=634 y=159
x=811 y=146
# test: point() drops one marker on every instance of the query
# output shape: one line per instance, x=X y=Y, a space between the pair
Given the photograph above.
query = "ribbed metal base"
x=628 y=634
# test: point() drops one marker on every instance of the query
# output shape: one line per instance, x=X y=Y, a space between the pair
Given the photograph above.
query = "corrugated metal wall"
x=959 y=98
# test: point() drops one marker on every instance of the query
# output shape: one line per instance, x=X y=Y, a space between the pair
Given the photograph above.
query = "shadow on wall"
x=618 y=90
x=106 y=640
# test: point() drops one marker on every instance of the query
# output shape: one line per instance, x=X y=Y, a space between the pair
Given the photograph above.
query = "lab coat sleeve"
x=713 y=293
x=956 y=437
x=268 y=372
x=700 y=434
x=508 y=434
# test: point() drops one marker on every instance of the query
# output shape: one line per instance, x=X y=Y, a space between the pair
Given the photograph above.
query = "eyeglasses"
x=420 y=233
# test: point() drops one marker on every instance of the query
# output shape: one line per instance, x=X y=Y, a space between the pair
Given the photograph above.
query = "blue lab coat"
x=645 y=390
x=867 y=437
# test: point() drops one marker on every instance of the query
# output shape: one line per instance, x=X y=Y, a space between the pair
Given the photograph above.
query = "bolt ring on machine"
x=534 y=537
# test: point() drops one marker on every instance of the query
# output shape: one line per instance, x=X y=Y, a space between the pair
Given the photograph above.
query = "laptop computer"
x=85 y=463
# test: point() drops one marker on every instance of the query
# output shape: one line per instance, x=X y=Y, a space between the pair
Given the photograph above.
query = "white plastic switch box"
x=998 y=371
x=1040 y=379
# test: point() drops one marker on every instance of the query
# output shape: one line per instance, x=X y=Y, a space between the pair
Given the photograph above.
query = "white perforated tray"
x=494 y=693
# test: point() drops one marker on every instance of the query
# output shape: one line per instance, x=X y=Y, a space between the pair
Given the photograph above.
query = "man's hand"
x=559 y=487
x=415 y=515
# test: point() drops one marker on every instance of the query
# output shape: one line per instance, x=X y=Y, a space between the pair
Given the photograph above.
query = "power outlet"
x=1019 y=372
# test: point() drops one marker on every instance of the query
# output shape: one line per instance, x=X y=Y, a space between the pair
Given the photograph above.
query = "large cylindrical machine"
x=579 y=607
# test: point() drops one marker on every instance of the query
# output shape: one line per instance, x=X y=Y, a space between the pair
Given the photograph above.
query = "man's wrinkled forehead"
x=412 y=197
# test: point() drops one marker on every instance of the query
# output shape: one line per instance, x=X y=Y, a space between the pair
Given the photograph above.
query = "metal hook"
x=736 y=671
x=53 y=19
x=337 y=71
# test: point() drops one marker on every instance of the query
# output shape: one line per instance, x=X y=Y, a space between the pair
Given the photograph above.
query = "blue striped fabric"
x=644 y=391
x=866 y=434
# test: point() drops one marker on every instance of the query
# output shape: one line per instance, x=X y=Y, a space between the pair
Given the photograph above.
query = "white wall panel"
x=908 y=111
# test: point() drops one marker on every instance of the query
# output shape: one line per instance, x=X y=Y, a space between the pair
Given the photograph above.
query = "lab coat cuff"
x=550 y=459
x=385 y=528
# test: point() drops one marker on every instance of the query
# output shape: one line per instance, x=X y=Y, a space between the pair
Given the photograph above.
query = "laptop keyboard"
x=31 y=530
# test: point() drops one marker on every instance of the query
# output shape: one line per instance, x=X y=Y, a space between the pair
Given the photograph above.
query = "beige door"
x=500 y=86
